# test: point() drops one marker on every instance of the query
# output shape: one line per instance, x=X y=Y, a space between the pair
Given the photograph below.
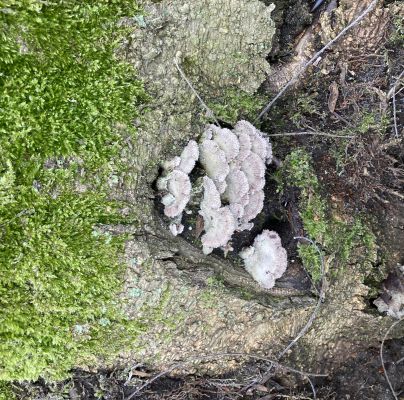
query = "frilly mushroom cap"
x=179 y=188
x=254 y=169
x=269 y=153
x=254 y=206
x=219 y=225
x=221 y=186
x=213 y=160
x=237 y=186
x=245 y=147
x=234 y=162
x=211 y=196
x=228 y=142
x=259 y=144
x=188 y=158
x=176 y=229
x=237 y=210
x=266 y=260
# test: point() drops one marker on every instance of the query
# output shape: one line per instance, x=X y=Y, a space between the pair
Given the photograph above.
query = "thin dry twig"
x=182 y=364
x=309 y=323
x=315 y=57
x=311 y=133
x=320 y=299
x=392 y=93
x=382 y=359
x=208 y=110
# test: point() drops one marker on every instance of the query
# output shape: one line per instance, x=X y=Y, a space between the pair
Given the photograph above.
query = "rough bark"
x=219 y=44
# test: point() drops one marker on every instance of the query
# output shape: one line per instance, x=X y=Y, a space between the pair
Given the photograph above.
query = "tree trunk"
x=195 y=304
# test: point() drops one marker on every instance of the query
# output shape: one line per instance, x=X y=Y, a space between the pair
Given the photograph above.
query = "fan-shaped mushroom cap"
x=219 y=225
x=213 y=160
x=171 y=164
x=237 y=210
x=259 y=143
x=176 y=229
x=269 y=153
x=221 y=186
x=228 y=142
x=254 y=169
x=245 y=147
x=189 y=156
x=254 y=206
x=237 y=186
x=211 y=196
x=266 y=260
x=179 y=188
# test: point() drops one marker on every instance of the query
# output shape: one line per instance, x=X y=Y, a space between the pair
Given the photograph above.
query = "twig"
x=392 y=93
x=208 y=110
x=399 y=361
x=308 y=324
x=215 y=356
x=314 y=58
x=311 y=133
x=320 y=299
x=382 y=359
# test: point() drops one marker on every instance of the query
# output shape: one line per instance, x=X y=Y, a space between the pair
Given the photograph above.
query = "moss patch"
x=236 y=105
x=338 y=239
x=62 y=94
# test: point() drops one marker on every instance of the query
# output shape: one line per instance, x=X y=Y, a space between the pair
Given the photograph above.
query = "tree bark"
x=170 y=283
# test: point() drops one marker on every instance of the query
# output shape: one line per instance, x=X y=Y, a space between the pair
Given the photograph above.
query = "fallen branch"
x=315 y=57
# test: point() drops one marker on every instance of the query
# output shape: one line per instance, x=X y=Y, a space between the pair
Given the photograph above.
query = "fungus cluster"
x=234 y=162
x=266 y=260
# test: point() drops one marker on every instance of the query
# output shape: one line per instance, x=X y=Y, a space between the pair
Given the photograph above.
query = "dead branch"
x=392 y=94
x=315 y=57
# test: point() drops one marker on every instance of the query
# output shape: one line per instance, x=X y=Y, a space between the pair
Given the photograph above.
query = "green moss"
x=209 y=298
x=6 y=392
x=306 y=104
x=397 y=36
x=337 y=238
x=215 y=281
x=236 y=105
x=63 y=92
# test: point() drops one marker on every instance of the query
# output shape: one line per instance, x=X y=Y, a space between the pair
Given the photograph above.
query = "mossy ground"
x=63 y=92
x=337 y=238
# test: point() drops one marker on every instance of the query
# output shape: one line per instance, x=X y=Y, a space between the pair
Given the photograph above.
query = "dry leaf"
x=333 y=97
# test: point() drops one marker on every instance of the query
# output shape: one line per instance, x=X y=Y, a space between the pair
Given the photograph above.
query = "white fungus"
x=234 y=163
x=266 y=259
